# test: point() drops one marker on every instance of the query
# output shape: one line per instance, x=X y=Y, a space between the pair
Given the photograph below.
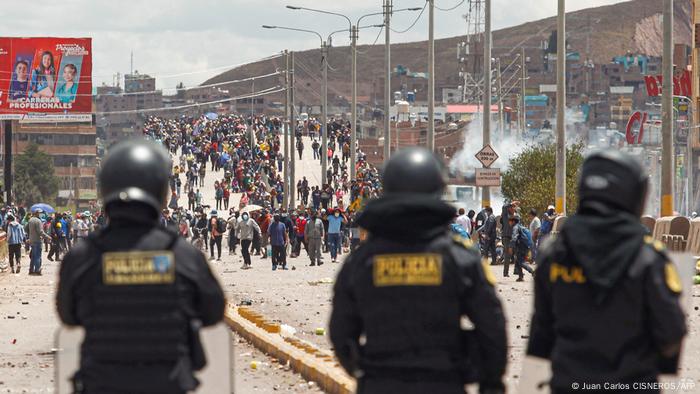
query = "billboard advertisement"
x=46 y=79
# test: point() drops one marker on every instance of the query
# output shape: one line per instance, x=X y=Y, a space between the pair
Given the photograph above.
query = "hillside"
x=604 y=32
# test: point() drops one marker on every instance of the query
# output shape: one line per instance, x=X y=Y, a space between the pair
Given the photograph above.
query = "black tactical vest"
x=414 y=321
x=136 y=314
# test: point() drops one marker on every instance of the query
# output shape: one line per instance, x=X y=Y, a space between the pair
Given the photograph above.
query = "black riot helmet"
x=614 y=179
x=413 y=170
x=135 y=171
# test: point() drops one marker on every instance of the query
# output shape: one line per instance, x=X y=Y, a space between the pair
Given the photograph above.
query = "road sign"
x=487 y=156
x=488 y=177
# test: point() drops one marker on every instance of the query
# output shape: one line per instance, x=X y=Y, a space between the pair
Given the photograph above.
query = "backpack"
x=546 y=227
x=220 y=226
x=525 y=240
x=219 y=194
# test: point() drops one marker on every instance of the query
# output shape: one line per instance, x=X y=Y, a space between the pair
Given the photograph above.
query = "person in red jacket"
x=299 y=228
x=264 y=222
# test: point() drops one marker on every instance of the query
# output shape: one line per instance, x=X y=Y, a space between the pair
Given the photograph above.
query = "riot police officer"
x=399 y=297
x=606 y=295
x=140 y=291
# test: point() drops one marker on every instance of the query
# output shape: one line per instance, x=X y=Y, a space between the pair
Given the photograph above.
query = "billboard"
x=46 y=79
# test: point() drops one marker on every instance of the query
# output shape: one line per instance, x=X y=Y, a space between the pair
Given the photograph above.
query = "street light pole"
x=324 y=114
x=292 y=144
x=560 y=171
x=523 y=78
x=486 y=116
x=353 y=126
x=431 y=76
x=667 y=113
x=285 y=128
x=354 y=30
x=387 y=78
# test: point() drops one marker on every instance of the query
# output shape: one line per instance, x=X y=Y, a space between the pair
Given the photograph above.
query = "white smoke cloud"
x=507 y=147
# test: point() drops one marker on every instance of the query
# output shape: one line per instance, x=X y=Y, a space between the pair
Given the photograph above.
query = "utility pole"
x=252 y=116
x=523 y=78
x=431 y=76
x=8 y=161
x=387 y=78
x=353 y=126
x=285 y=128
x=486 y=105
x=560 y=195
x=324 y=113
x=667 y=114
x=501 y=121
x=292 y=144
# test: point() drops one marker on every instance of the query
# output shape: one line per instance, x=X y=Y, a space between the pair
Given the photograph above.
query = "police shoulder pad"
x=657 y=245
x=488 y=274
x=673 y=280
x=465 y=242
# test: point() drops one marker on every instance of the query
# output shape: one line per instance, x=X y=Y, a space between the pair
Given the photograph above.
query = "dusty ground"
x=297 y=297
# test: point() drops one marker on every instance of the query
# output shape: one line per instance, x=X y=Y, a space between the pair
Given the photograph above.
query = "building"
x=73 y=149
x=118 y=115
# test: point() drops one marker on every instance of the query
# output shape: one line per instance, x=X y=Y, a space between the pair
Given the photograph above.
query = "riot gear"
x=388 y=289
x=621 y=321
x=413 y=170
x=135 y=170
x=615 y=179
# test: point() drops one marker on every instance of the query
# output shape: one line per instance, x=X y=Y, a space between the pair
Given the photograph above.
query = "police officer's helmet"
x=413 y=170
x=135 y=171
x=614 y=179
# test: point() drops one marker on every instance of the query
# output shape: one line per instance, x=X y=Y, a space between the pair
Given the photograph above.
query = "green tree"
x=34 y=177
x=530 y=178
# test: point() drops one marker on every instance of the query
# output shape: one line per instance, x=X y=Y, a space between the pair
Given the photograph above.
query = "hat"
x=213 y=212
x=550 y=207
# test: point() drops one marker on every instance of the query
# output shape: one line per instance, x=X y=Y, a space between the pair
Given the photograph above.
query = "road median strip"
x=312 y=363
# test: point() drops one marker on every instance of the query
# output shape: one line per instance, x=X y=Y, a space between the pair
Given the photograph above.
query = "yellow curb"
x=312 y=363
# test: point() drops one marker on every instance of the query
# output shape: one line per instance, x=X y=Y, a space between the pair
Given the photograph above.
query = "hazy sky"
x=189 y=36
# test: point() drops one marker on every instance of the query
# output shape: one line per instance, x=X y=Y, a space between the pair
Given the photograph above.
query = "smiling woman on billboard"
x=43 y=76
x=67 y=90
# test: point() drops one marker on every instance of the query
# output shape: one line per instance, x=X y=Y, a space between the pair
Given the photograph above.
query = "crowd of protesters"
x=245 y=156
x=322 y=222
x=38 y=231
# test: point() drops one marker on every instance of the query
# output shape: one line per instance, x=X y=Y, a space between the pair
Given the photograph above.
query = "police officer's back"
x=606 y=296
x=139 y=290
x=405 y=289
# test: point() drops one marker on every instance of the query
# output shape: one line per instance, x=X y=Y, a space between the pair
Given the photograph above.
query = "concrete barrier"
x=649 y=222
x=312 y=363
x=694 y=237
x=673 y=231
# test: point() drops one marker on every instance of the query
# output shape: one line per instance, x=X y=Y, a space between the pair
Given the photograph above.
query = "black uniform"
x=606 y=296
x=137 y=336
x=404 y=290
x=140 y=291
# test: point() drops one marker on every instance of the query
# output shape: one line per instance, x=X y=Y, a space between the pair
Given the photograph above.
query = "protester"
x=278 y=241
x=246 y=229
x=15 y=239
x=36 y=234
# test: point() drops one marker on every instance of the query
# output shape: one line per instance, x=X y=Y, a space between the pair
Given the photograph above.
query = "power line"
x=272 y=90
x=192 y=87
x=414 y=22
x=451 y=8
